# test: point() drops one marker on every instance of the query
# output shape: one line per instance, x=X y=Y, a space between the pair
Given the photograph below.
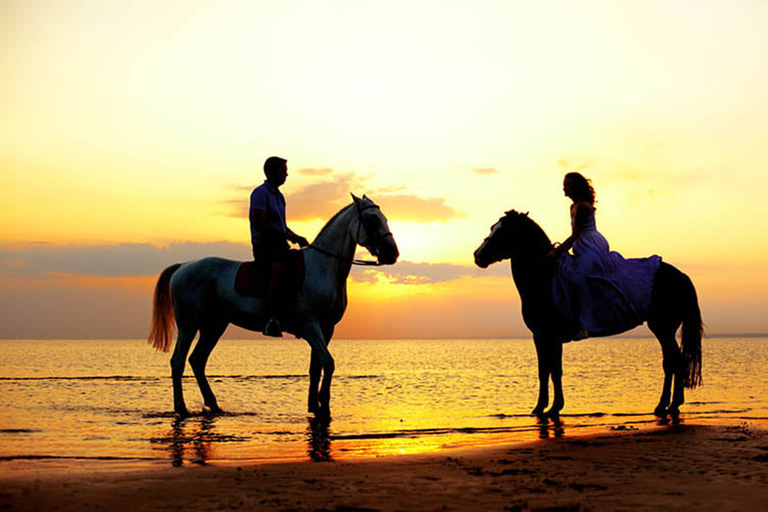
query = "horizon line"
x=291 y=337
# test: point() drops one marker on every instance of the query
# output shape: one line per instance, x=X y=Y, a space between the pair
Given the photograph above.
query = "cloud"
x=111 y=260
x=145 y=260
x=321 y=200
x=314 y=201
x=410 y=273
x=413 y=208
x=484 y=171
x=324 y=171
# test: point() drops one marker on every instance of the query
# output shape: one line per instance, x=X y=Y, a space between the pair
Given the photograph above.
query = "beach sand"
x=684 y=467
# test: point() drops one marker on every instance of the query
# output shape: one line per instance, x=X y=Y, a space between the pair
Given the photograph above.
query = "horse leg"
x=543 y=401
x=178 y=360
x=315 y=371
x=314 y=336
x=672 y=373
x=678 y=389
x=555 y=361
x=209 y=337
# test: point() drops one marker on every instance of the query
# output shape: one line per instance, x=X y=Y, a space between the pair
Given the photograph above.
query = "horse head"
x=513 y=232
x=372 y=231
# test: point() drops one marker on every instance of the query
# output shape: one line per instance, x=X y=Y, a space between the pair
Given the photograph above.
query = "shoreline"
x=690 y=467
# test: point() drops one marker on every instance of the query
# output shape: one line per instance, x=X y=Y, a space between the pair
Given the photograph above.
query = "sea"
x=111 y=400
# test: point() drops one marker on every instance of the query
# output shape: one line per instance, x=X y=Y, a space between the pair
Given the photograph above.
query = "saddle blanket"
x=252 y=279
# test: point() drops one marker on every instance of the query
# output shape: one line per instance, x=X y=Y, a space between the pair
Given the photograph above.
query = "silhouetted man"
x=270 y=234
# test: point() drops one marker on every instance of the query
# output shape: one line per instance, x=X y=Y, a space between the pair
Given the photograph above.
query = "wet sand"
x=682 y=467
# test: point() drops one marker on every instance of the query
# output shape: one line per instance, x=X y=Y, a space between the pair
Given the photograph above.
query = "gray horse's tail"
x=691 y=336
x=161 y=330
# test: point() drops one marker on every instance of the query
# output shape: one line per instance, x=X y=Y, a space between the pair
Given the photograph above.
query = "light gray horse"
x=201 y=296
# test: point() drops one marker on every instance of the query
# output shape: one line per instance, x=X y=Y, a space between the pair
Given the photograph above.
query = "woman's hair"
x=582 y=188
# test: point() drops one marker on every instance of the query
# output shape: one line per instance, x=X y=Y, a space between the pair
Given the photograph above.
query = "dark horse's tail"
x=161 y=330
x=691 y=334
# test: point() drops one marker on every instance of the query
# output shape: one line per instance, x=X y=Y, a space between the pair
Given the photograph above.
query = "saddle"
x=252 y=279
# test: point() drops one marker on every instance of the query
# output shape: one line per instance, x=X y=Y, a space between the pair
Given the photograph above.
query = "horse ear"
x=355 y=198
x=365 y=198
x=510 y=212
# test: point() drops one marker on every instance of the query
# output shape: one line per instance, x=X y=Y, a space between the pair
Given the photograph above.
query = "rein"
x=354 y=261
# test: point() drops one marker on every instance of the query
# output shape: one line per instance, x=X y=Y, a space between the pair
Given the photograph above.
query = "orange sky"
x=131 y=135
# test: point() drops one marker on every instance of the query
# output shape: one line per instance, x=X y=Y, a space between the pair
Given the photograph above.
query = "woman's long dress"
x=601 y=290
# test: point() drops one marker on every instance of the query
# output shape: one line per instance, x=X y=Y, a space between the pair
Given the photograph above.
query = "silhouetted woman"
x=596 y=287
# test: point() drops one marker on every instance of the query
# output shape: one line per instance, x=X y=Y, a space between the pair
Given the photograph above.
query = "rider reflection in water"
x=270 y=234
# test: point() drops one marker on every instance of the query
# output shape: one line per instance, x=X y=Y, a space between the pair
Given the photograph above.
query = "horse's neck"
x=334 y=237
x=530 y=267
x=336 y=247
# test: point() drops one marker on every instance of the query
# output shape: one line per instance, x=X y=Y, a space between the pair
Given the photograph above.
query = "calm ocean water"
x=105 y=400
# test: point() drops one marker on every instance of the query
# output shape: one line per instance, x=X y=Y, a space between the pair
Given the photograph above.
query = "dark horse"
x=673 y=302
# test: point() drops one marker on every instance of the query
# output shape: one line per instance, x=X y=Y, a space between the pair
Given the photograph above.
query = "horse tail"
x=691 y=336
x=161 y=329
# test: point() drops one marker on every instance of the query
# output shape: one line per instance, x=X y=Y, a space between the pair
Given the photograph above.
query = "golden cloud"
x=321 y=200
x=413 y=208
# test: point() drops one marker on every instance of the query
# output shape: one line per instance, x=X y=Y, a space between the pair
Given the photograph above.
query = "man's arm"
x=259 y=218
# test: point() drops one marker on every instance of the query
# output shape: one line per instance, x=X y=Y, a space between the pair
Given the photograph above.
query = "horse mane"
x=534 y=234
x=333 y=219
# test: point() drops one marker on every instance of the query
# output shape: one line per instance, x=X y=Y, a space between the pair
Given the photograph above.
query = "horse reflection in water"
x=555 y=429
x=200 y=437
x=201 y=297
x=194 y=439
x=673 y=303
x=319 y=439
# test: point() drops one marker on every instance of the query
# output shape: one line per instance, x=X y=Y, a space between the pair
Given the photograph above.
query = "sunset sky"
x=131 y=135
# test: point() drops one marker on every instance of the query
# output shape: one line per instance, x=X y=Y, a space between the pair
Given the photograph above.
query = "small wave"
x=433 y=432
x=502 y=416
x=585 y=415
x=8 y=458
x=718 y=411
x=256 y=377
x=575 y=415
x=128 y=378
x=19 y=431
x=289 y=377
x=197 y=414
x=199 y=437
x=143 y=378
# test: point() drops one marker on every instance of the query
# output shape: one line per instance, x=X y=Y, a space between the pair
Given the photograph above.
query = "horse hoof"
x=660 y=412
x=213 y=411
x=182 y=413
x=323 y=413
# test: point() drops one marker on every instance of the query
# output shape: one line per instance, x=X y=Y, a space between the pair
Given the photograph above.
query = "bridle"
x=376 y=240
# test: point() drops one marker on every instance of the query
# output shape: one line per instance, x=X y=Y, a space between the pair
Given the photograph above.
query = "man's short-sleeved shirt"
x=269 y=199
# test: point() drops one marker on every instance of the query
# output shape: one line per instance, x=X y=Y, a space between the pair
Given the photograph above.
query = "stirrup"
x=273 y=329
x=581 y=334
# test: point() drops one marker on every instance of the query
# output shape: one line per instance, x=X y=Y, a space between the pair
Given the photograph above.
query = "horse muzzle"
x=480 y=260
x=388 y=253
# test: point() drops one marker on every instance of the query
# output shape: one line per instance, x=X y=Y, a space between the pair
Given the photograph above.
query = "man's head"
x=276 y=170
